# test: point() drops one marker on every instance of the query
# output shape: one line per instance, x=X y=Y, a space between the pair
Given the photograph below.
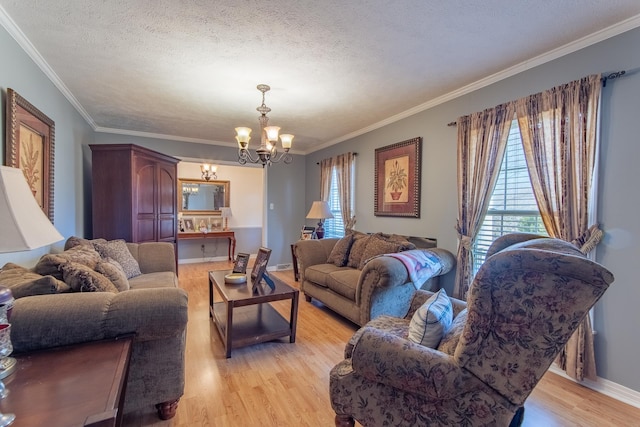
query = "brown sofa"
x=360 y=283
x=153 y=308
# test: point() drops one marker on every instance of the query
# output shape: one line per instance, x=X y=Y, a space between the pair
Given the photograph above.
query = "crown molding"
x=606 y=33
x=591 y=39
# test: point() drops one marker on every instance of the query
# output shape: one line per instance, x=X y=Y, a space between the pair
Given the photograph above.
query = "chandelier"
x=267 y=153
x=209 y=171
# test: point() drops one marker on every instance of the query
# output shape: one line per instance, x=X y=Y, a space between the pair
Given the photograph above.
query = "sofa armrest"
x=312 y=252
x=154 y=256
x=46 y=321
x=387 y=359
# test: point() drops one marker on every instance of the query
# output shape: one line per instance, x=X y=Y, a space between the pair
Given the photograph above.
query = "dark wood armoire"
x=134 y=194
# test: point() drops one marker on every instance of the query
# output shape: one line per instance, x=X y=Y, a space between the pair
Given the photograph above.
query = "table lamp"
x=320 y=210
x=23 y=226
x=226 y=214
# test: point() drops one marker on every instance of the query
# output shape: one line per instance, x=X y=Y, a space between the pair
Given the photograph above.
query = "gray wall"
x=616 y=315
x=21 y=74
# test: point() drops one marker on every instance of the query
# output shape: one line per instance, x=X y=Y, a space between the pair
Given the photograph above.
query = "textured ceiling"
x=189 y=69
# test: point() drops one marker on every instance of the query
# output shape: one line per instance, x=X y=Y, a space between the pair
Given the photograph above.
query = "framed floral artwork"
x=397 y=179
x=30 y=147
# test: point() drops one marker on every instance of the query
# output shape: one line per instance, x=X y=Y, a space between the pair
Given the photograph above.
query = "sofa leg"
x=307 y=298
x=167 y=410
x=344 y=421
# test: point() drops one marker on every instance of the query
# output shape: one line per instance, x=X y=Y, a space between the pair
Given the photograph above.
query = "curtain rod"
x=355 y=154
x=611 y=76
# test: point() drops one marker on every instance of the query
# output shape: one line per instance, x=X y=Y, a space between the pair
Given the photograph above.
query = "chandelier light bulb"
x=286 y=139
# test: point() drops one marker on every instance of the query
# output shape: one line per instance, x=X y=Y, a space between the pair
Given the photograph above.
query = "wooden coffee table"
x=245 y=317
x=79 y=385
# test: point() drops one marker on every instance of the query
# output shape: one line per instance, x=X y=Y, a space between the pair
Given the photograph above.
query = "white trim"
x=606 y=387
x=203 y=259
x=598 y=36
x=614 y=30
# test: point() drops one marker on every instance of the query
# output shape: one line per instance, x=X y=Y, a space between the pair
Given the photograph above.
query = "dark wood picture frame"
x=31 y=147
x=240 y=265
x=397 y=179
x=260 y=265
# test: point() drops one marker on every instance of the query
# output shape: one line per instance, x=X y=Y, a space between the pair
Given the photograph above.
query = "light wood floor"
x=284 y=384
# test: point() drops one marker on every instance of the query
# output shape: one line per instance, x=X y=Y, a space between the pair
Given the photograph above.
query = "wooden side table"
x=79 y=385
x=228 y=234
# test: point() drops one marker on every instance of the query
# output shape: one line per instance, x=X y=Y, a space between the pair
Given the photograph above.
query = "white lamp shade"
x=23 y=224
x=286 y=139
x=225 y=212
x=272 y=133
x=319 y=210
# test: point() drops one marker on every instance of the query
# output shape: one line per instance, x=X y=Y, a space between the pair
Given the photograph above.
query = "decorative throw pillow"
x=25 y=283
x=113 y=271
x=340 y=252
x=452 y=335
x=74 y=241
x=49 y=264
x=431 y=320
x=360 y=241
x=375 y=247
x=83 y=279
x=117 y=249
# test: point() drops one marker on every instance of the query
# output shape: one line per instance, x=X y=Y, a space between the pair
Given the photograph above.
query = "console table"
x=213 y=235
x=78 y=385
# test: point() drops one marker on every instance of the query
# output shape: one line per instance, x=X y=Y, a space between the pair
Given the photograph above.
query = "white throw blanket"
x=420 y=264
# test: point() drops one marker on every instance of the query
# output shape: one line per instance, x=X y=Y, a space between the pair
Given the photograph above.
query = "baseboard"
x=202 y=259
x=606 y=387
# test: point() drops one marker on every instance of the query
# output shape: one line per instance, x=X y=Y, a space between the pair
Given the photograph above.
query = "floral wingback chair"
x=524 y=304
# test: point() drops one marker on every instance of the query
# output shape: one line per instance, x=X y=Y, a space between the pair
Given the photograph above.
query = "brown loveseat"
x=352 y=276
x=47 y=313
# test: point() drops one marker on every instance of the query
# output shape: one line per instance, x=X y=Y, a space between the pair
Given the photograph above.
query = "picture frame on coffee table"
x=242 y=260
x=260 y=265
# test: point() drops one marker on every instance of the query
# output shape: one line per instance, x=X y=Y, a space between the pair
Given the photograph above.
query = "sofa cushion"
x=84 y=279
x=318 y=273
x=422 y=242
x=117 y=249
x=74 y=241
x=159 y=279
x=360 y=241
x=340 y=252
x=344 y=282
x=50 y=264
x=431 y=320
x=452 y=335
x=24 y=283
x=113 y=271
x=377 y=246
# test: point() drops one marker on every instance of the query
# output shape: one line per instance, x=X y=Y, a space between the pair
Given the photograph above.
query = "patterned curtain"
x=344 y=171
x=559 y=135
x=326 y=168
x=482 y=140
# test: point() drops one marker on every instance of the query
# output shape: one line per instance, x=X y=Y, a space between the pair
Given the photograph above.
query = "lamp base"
x=7 y=366
x=320 y=231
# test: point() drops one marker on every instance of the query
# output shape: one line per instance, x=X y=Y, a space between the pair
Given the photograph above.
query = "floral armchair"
x=524 y=304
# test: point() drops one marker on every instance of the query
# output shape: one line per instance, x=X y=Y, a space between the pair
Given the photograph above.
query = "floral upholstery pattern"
x=522 y=307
